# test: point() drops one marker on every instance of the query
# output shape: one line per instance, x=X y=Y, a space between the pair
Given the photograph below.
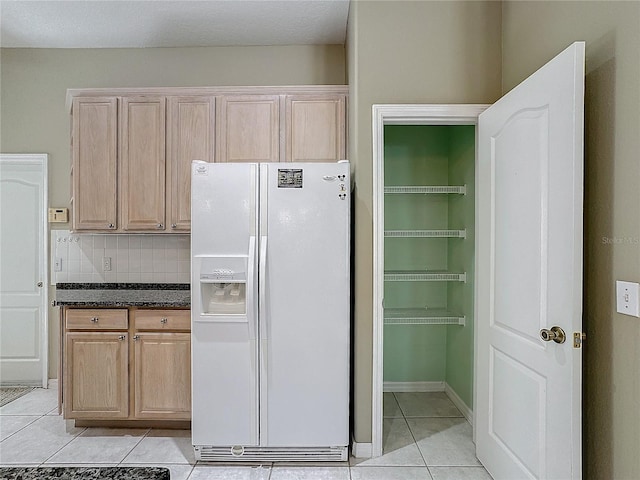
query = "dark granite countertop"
x=84 y=473
x=123 y=294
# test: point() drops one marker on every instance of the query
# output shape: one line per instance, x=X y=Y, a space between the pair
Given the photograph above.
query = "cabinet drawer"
x=163 y=320
x=96 y=319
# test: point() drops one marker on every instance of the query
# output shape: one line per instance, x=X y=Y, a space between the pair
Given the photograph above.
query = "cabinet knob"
x=136 y=338
x=94 y=319
x=163 y=320
x=160 y=225
x=122 y=337
x=111 y=225
x=173 y=225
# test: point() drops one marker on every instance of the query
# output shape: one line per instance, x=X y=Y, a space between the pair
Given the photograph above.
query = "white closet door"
x=529 y=230
x=23 y=272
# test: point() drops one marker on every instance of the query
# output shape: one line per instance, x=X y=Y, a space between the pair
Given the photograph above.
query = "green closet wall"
x=430 y=155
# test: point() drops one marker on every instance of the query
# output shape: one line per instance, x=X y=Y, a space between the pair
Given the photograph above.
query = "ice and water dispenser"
x=223 y=288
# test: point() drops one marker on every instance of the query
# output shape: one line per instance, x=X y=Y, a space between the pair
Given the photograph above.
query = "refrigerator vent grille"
x=272 y=454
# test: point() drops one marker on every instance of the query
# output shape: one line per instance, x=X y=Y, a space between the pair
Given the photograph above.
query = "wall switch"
x=106 y=264
x=628 y=298
x=57 y=264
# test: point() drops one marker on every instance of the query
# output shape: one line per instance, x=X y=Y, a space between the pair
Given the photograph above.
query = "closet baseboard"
x=431 y=387
x=413 y=387
x=457 y=401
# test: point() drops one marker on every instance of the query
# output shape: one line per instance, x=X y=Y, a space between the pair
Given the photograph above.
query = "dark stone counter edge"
x=111 y=303
x=123 y=286
x=85 y=473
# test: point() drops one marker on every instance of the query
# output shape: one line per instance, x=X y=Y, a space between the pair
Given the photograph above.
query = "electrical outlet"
x=628 y=298
x=106 y=264
x=57 y=264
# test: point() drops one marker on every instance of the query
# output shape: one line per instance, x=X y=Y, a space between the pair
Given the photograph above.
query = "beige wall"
x=406 y=52
x=33 y=86
x=533 y=33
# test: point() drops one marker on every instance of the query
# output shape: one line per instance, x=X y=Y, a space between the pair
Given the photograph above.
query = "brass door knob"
x=556 y=334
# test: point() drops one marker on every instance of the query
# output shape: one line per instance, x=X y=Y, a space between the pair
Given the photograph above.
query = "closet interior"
x=429 y=216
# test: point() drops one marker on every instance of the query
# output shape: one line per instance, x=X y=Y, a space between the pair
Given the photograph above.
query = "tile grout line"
x=43 y=464
x=23 y=427
x=142 y=437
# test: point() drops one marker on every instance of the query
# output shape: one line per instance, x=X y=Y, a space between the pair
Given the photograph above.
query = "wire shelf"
x=423 y=276
x=425 y=189
x=425 y=233
x=421 y=316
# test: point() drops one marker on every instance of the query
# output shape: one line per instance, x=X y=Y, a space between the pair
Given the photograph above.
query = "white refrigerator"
x=270 y=311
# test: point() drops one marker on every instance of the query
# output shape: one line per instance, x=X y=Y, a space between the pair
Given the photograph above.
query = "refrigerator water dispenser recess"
x=223 y=292
x=223 y=287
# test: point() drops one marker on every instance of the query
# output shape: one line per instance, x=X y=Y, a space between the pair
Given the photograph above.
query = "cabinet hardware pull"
x=94 y=319
x=121 y=337
x=163 y=320
x=160 y=225
x=111 y=225
x=136 y=337
x=173 y=225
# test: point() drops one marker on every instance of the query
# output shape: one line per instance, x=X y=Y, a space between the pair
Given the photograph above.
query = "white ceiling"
x=169 y=23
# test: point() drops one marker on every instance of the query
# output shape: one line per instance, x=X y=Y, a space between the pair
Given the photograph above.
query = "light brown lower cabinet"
x=162 y=377
x=95 y=377
x=116 y=368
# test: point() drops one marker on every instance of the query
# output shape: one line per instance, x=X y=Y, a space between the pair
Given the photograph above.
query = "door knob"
x=556 y=334
x=39 y=284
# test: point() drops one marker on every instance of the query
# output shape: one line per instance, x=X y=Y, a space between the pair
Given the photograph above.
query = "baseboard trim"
x=361 y=450
x=457 y=401
x=431 y=387
x=413 y=387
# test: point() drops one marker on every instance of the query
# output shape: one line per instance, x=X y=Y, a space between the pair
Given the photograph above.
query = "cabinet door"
x=162 y=375
x=142 y=163
x=94 y=139
x=191 y=136
x=95 y=376
x=315 y=128
x=249 y=128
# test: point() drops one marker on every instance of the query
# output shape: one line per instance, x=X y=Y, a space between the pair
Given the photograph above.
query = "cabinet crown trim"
x=206 y=91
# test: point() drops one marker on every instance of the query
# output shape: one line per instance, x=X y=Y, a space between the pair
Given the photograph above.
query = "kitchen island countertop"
x=123 y=294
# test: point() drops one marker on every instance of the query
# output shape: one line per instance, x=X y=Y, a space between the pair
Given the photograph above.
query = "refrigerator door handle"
x=251 y=290
x=263 y=351
x=262 y=285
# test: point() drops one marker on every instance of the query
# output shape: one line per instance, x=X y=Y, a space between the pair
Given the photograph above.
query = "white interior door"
x=23 y=270
x=529 y=275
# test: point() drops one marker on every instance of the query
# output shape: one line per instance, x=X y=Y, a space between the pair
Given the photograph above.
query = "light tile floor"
x=426 y=438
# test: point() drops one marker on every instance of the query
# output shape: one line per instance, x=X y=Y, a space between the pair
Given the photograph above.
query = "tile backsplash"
x=133 y=258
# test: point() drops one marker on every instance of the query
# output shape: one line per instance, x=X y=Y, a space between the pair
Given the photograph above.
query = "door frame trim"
x=40 y=159
x=398 y=114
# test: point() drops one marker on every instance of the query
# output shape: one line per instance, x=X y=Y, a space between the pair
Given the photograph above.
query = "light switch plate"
x=628 y=298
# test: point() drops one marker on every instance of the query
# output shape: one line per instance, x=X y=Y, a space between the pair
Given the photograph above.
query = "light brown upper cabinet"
x=190 y=136
x=315 y=128
x=133 y=148
x=142 y=163
x=94 y=146
x=249 y=128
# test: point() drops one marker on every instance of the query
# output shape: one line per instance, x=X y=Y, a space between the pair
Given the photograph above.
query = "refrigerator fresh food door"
x=223 y=304
x=304 y=304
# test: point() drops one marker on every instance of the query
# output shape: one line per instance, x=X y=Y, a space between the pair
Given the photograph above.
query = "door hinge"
x=578 y=339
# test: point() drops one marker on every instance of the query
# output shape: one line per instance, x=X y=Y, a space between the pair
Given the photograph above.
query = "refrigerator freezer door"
x=304 y=323
x=224 y=342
